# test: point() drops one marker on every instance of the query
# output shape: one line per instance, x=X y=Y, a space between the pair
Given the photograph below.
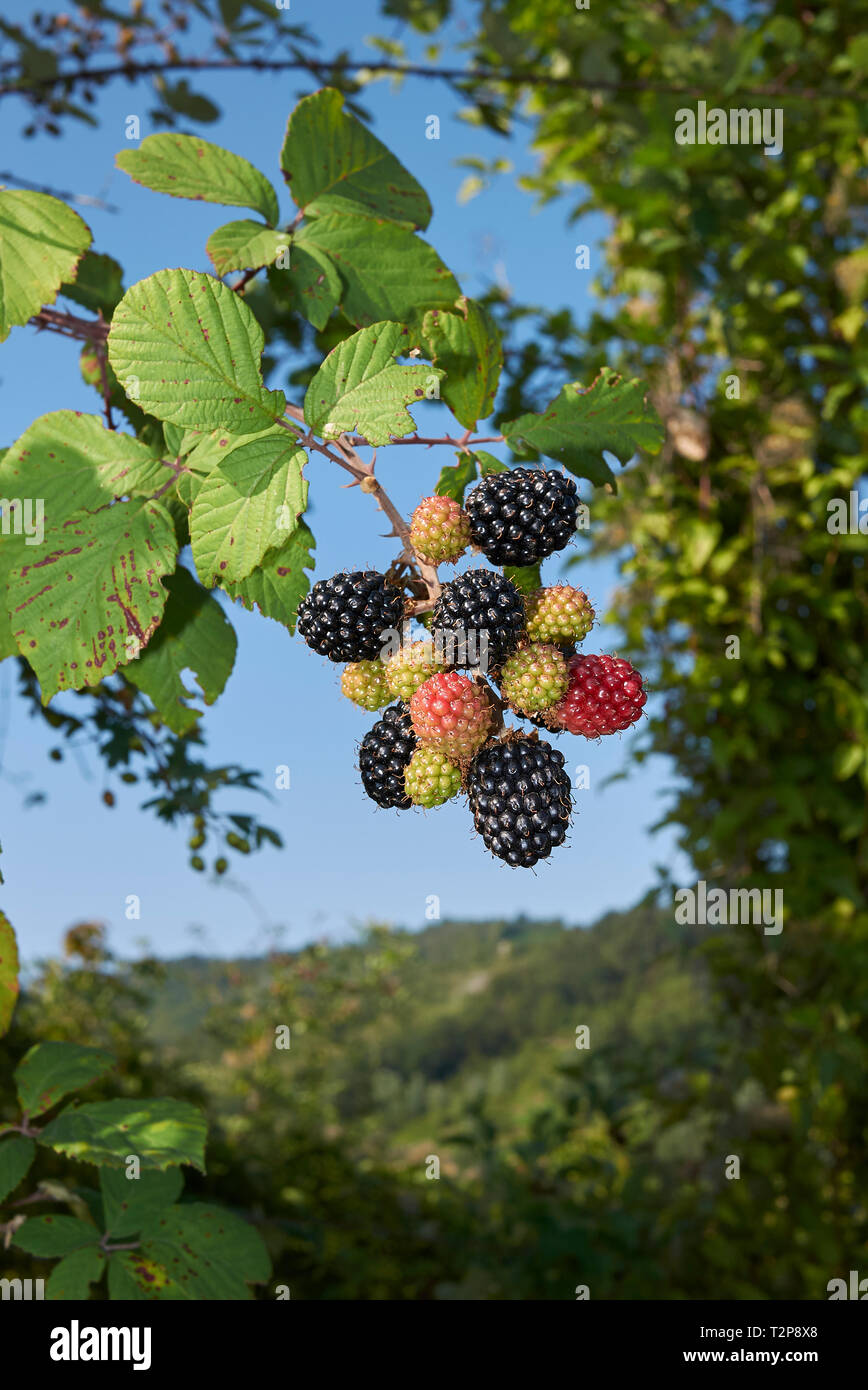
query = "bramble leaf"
x=468 y=346
x=16 y=1156
x=245 y=245
x=134 y=1277
x=360 y=387
x=189 y=167
x=193 y=635
x=456 y=478
x=41 y=243
x=278 y=585
x=8 y=973
x=49 y=1236
x=311 y=283
x=50 y=1070
x=212 y=1253
x=249 y=504
x=335 y=164
x=93 y=597
x=130 y=1203
x=187 y=349
x=387 y=272
x=72 y=1277
x=98 y=284
x=161 y=1133
x=74 y=464
x=612 y=414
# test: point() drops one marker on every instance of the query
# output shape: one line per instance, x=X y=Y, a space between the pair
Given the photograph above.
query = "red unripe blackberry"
x=439 y=530
x=605 y=694
x=344 y=617
x=364 y=682
x=430 y=778
x=560 y=614
x=478 y=618
x=452 y=713
x=521 y=800
x=384 y=754
x=534 y=678
x=519 y=517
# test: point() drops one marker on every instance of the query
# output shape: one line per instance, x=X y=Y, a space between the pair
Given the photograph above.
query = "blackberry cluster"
x=479 y=613
x=446 y=733
x=520 y=798
x=383 y=757
x=344 y=617
x=522 y=515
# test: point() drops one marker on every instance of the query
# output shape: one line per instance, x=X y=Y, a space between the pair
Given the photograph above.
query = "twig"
x=332 y=70
x=83 y=199
x=102 y=358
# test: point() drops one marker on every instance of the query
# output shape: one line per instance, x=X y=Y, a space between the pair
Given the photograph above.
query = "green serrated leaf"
x=161 y=1133
x=334 y=164
x=612 y=414
x=8 y=973
x=41 y=243
x=278 y=585
x=93 y=598
x=387 y=272
x=98 y=284
x=74 y=464
x=245 y=245
x=187 y=349
x=311 y=284
x=16 y=1156
x=468 y=346
x=190 y=167
x=134 y=1277
x=50 y=1070
x=130 y=1203
x=212 y=1253
x=50 y=1236
x=360 y=387
x=249 y=504
x=193 y=635
x=456 y=478
x=72 y=1277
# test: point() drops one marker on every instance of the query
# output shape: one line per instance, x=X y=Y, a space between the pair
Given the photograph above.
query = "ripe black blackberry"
x=384 y=754
x=520 y=797
x=519 y=517
x=478 y=619
x=344 y=617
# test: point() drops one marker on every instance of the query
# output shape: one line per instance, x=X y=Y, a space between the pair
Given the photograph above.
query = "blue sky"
x=345 y=862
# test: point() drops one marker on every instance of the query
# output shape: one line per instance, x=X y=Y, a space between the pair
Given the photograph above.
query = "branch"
x=515 y=77
x=89 y=330
x=83 y=199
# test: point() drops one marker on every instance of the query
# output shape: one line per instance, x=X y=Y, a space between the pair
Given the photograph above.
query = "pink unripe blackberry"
x=605 y=694
x=439 y=530
x=430 y=778
x=535 y=677
x=410 y=667
x=561 y=614
x=364 y=682
x=452 y=713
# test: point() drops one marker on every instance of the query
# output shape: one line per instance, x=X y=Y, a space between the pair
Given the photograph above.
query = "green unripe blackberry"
x=410 y=667
x=535 y=677
x=364 y=682
x=439 y=530
x=430 y=778
x=561 y=614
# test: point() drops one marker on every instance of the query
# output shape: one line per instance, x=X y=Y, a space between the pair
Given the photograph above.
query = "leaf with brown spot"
x=89 y=599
